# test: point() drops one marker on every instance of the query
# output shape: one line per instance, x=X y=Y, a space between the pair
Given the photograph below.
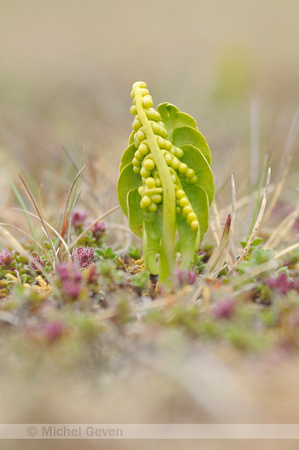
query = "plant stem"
x=167 y=254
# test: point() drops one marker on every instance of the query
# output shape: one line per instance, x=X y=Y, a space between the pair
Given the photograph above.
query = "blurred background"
x=67 y=70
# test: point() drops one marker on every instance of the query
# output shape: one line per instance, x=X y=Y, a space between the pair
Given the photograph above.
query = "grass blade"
x=21 y=201
x=40 y=216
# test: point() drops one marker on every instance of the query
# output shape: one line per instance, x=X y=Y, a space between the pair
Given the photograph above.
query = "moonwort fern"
x=166 y=185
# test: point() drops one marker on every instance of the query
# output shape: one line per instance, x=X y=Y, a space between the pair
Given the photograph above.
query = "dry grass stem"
x=40 y=216
x=48 y=225
x=218 y=259
x=281 y=231
x=29 y=237
x=255 y=228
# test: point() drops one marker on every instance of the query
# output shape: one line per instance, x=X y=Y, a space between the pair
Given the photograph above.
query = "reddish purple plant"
x=6 y=257
x=98 y=229
x=71 y=288
x=36 y=258
x=92 y=275
x=224 y=309
x=62 y=271
x=69 y=271
x=53 y=330
x=71 y=279
x=184 y=277
x=83 y=256
x=282 y=283
x=78 y=218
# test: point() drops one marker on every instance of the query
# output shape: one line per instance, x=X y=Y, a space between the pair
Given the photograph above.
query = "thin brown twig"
x=217 y=260
x=255 y=228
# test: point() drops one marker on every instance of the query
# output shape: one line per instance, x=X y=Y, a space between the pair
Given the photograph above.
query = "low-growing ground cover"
x=79 y=307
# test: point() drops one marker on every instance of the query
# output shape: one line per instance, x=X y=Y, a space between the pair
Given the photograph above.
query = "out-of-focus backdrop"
x=66 y=70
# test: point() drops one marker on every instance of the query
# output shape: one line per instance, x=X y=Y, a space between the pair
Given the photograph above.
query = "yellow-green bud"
x=190 y=173
x=157 y=198
x=140 y=135
x=183 y=202
x=161 y=142
x=138 y=154
x=180 y=194
x=152 y=114
x=144 y=92
x=150 y=182
x=149 y=164
x=178 y=210
x=157 y=129
x=179 y=152
x=133 y=110
x=136 y=123
x=191 y=217
x=141 y=190
x=168 y=145
x=136 y=141
x=153 y=207
x=194 y=225
x=175 y=163
x=183 y=168
x=145 y=202
x=168 y=158
x=138 y=84
x=144 y=173
x=136 y=169
x=135 y=162
x=194 y=179
x=147 y=101
x=187 y=210
x=143 y=149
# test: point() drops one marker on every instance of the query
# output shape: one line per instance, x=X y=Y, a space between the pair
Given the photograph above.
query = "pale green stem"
x=167 y=255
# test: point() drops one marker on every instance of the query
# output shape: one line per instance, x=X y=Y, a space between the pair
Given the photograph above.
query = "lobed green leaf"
x=127 y=181
x=173 y=118
x=127 y=156
x=188 y=135
x=195 y=159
